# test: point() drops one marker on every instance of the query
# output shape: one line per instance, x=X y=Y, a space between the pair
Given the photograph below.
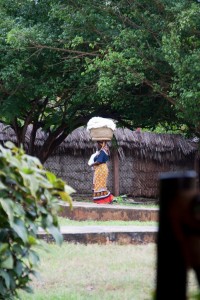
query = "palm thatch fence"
x=137 y=158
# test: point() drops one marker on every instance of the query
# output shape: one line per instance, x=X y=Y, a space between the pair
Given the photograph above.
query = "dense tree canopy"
x=63 y=62
x=152 y=64
x=181 y=47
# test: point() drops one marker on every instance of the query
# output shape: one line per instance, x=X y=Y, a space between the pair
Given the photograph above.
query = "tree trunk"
x=31 y=146
x=53 y=140
x=44 y=154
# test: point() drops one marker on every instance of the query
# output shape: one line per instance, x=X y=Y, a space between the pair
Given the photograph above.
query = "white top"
x=97 y=122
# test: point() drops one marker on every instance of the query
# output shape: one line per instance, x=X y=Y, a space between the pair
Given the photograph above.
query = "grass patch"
x=125 y=203
x=137 y=205
x=68 y=222
x=97 y=272
x=79 y=272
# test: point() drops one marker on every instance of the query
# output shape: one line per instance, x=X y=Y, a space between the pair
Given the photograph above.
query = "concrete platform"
x=106 y=212
x=122 y=235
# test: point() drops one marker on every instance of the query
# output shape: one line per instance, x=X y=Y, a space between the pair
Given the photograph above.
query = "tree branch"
x=28 y=120
x=31 y=146
x=95 y=53
x=48 y=143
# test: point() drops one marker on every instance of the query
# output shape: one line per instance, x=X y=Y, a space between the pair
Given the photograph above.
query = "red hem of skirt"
x=105 y=200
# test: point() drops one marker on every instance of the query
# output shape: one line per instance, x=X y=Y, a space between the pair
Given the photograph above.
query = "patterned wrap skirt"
x=100 y=191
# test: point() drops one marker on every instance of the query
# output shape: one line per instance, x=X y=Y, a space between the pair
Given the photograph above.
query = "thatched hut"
x=137 y=158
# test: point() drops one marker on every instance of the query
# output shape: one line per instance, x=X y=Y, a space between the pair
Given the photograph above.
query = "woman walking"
x=101 y=194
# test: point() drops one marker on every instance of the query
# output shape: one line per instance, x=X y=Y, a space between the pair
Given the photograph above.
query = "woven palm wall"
x=75 y=171
x=138 y=177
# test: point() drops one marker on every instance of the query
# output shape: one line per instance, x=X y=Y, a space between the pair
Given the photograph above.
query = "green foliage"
x=28 y=199
x=171 y=129
x=40 y=71
x=151 y=63
x=181 y=47
x=120 y=199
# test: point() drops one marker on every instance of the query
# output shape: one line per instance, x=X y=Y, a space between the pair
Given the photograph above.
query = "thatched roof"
x=8 y=134
x=160 y=147
x=141 y=144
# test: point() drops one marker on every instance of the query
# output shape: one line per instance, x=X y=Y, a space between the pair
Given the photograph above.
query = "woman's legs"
x=101 y=194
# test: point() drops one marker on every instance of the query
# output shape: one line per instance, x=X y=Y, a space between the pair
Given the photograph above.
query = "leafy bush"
x=28 y=199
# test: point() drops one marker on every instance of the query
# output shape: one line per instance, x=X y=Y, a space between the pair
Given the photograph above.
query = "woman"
x=100 y=193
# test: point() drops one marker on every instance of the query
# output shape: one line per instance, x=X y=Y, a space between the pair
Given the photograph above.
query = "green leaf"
x=30 y=182
x=19 y=268
x=3 y=290
x=27 y=289
x=32 y=240
x=3 y=247
x=34 y=185
x=10 y=145
x=51 y=177
x=17 y=249
x=7 y=263
x=59 y=184
x=69 y=189
x=20 y=229
x=33 y=258
x=56 y=234
x=7 y=206
x=6 y=278
x=2 y=186
x=47 y=220
x=65 y=197
x=27 y=171
x=34 y=161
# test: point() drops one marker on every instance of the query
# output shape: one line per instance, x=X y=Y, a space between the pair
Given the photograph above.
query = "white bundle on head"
x=98 y=122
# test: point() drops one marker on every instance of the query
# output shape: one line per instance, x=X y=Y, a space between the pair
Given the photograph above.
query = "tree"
x=63 y=62
x=152 y=65
x=33 y=90
x=181 y=47
x=41 y=74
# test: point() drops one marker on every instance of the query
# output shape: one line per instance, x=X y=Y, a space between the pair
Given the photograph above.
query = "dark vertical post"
x=171 y=265
x=116 y=172
x=197 y=167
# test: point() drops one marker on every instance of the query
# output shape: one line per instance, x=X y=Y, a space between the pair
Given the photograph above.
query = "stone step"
x=83 y=211
x=122 y=235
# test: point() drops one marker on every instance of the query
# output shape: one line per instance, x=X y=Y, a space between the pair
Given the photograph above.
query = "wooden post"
x=171 y=263
x=116 y=172
x=197 y=167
